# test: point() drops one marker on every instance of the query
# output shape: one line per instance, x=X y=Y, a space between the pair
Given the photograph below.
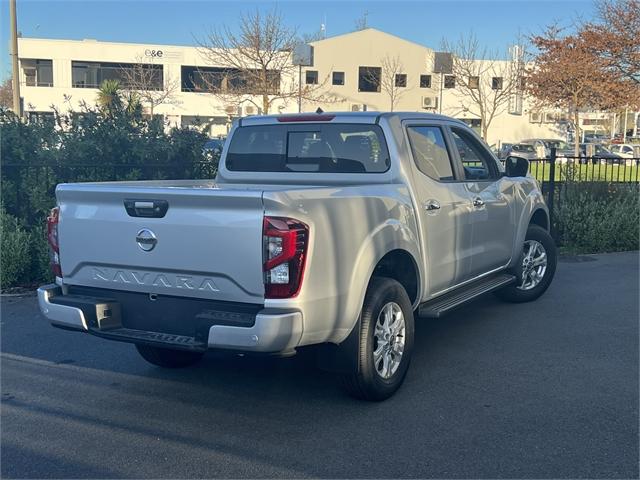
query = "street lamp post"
x=15 y=75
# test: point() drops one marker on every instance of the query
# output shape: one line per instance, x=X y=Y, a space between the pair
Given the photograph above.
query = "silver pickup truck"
x=326 y=230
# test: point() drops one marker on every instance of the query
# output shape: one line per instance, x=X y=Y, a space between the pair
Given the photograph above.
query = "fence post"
x=552 y=188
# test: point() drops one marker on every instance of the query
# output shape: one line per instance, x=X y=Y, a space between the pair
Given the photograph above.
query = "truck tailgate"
x=207 y=245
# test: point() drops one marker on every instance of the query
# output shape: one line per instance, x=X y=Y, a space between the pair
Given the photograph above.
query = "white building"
x=65 y=73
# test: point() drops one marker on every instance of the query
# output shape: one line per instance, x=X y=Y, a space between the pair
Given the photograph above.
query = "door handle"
x=478 y=202
x=431 y=205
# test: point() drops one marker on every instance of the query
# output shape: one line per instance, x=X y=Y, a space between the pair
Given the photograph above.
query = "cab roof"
x=342 y=117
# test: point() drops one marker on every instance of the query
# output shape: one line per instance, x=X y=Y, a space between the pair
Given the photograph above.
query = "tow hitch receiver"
x=103 y=314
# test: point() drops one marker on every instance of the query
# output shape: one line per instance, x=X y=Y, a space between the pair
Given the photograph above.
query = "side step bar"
x=439 y=306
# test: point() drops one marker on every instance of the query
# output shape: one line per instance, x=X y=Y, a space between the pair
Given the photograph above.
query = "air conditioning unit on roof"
x=430 y=102
x=358 y=107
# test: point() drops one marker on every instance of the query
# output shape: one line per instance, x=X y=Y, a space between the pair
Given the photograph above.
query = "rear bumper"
x=272 y=331
x=60 y=315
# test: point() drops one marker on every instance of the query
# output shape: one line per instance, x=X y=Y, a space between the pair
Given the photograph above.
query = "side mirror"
x=516 y=166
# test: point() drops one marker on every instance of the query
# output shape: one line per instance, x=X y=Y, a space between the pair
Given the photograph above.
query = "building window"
x=37 y=73
x=449 y=81
x=227 y=80
x=425 y=81
x=496 y=83
x=369 y=79
x=140 y=76
x=40 y=117
x=311 y=77
x=474 y=82
x=401 y=79
x=337 y=78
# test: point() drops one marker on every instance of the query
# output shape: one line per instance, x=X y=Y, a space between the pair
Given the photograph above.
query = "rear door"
x=208 y=243
x=444 y=209
x=491 y=196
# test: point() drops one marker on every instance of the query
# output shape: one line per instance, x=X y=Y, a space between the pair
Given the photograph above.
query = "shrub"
x=598 y=217
x=14 y=252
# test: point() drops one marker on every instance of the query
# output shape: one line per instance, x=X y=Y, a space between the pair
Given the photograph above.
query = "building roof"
x=367 y=32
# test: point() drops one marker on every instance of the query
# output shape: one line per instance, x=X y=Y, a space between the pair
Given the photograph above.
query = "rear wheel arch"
x=401 y=266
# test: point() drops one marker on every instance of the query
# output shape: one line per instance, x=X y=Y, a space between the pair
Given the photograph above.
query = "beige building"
x=347 y=74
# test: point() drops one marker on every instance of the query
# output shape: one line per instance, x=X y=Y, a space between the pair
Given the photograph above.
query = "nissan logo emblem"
x=146 y=239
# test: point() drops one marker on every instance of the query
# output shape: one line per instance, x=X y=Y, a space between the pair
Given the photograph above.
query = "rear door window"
x=430 y=152
x=308 y=148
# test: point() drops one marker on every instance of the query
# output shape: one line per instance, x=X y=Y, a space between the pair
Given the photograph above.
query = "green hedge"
x=95 y=145
x=597 y=217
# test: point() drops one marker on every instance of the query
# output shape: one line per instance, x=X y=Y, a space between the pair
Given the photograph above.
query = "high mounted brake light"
x=306 y=118
x=52 y=239
x=284 y=242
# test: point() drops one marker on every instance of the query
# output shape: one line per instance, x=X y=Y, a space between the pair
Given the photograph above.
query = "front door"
x=493 y=216
x=444 y=210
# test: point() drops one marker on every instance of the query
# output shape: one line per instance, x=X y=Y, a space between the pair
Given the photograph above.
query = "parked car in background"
x=627 y=151
x=546 y=144
x=522 y=150
x=600 y=154
x=325 y=230
x=504 y=150
x=597 y=138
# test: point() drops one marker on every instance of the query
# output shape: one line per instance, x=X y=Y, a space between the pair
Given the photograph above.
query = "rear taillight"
x=284 y=242
x=52 y=238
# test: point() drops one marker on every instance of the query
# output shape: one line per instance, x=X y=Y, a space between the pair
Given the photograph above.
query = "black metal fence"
x=28 y=189
x=559 y=174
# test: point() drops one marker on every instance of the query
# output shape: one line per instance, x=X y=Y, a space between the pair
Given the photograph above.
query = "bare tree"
x=390 y=79
x=485 y=81
x=614 y=38
x=149 y=83
x=254 y=61
x=6 y=94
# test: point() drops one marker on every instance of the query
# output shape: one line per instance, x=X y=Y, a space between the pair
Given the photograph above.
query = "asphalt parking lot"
x=547 y=389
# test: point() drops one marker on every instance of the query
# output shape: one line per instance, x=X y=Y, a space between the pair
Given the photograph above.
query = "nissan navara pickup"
x=331 y=230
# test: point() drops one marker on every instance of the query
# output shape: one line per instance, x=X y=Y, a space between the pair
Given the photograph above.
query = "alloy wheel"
x=534 y=265
x=388 y=340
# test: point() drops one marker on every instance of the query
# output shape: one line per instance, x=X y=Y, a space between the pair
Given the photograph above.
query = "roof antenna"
x=319 y=110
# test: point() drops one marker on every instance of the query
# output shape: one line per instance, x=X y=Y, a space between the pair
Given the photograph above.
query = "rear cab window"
x=308 y=148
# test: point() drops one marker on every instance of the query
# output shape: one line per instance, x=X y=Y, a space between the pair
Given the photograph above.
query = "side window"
x=430 y=152
x=476 y=161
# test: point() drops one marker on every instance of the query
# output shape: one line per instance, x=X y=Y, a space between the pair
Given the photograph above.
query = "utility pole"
x=14 y=52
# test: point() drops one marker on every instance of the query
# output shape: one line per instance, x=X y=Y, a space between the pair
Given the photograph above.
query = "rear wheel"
x=168 y=358
x=386 y=341
x=536 y=270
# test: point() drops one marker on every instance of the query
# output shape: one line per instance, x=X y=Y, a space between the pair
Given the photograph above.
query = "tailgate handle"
x=146 y=208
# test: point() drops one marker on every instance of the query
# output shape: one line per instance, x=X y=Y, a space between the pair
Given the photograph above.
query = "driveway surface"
x=546 y=389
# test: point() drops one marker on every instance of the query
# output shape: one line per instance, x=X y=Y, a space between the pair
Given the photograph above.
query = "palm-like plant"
x=109 y=95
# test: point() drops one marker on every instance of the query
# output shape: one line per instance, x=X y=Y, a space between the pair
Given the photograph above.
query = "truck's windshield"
x=312 y=148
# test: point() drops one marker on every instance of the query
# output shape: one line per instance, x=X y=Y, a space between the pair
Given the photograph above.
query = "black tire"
x=367 y=383
x=512 y=293
x=168 y=358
